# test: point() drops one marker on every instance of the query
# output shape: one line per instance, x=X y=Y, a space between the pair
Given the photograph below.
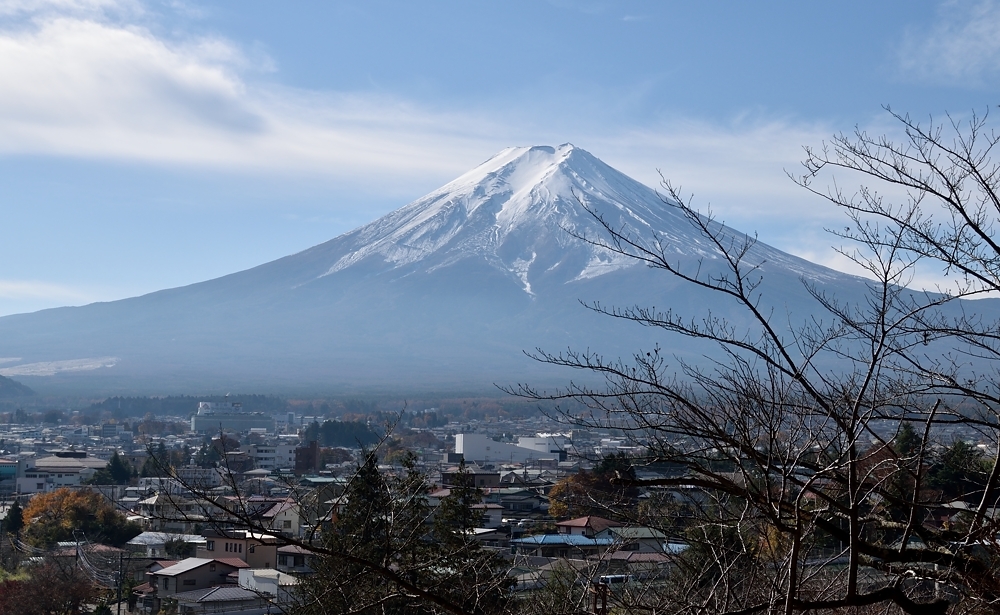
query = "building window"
x=166 y=583
x=210 y=545
x=211 y=567
x=241 y=547
x=286 y=524
x=282 y=560
x=190 y=581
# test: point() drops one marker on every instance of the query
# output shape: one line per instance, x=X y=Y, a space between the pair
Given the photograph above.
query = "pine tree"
x=382 y=522
x=121 y=472
x=15 y=519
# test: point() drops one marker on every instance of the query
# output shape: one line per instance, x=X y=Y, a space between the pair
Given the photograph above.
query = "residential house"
x=585 y=526
x=222 y=600
x=561 y=545
x=637 y=539
x=199 y=478
x=193 y=573
x=171 y=513
x=315 y=502
x=276 y=585
x=295 y=559
x=491 y=511
x=281 y=514
x=484 y=479
x=257 y=550
x=522 y=502
x=153 y=544
x=492 y=515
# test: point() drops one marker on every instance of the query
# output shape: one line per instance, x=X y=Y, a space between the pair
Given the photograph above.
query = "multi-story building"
x=213 y=417
x=271 y=456
x=62 y=469
x=258 y=550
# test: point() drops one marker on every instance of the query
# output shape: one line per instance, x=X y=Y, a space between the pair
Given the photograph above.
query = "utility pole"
x=121 y=560
x=599 y=598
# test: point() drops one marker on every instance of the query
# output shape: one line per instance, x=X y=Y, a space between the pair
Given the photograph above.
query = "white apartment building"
x=271 y=456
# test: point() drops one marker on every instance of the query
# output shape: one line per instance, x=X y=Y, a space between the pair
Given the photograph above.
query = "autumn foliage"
x=53 y=517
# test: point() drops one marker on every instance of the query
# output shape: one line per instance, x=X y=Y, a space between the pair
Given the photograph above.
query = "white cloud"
x=740 y=167
x=92 y=87
x=89 y=88
x=89 y=8
x=961 y=48
x=81 y=84
x=33 y=289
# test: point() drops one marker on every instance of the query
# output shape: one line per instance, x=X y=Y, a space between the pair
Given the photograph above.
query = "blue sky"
x=151 y=144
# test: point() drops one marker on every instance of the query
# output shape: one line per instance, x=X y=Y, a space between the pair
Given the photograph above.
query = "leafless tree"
x=786 y=440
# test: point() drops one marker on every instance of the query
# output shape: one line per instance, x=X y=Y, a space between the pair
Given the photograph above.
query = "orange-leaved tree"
x=53 y=517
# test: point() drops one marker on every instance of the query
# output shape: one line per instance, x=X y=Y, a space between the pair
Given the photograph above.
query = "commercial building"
x=479 y=448
x=213 y=417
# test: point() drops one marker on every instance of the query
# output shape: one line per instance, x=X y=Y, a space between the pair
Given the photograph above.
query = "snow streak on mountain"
x=443 y=293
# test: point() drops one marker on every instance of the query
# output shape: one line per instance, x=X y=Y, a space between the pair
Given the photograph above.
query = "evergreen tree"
x=158 y=462
x=120 y=471
x=475 y=577
x=381 y=524
x=457 y=516
x=15 y=519
x=907 y=442
x=960 y=472
x=117 y=472
x=207 y=457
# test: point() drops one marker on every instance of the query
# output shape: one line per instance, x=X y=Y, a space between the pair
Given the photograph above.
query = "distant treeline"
x=347 y=434
x=184 y=405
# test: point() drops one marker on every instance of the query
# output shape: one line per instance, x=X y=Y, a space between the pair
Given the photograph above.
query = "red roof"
x=279 y=507
x=163 y=563
x=635 y=556
x=597 y=524
x=235 y=562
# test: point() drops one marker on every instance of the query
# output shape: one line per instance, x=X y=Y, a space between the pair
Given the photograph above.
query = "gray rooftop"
x=221 y=593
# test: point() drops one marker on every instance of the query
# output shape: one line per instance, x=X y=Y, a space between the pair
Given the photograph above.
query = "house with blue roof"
x=561 y=545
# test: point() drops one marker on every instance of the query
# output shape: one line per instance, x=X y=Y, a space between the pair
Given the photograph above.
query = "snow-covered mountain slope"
x=522 y=212
x=445 y=292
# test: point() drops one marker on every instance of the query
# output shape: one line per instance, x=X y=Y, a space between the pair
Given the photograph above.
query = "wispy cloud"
x=85 y=84
x=91 y=88
x=961 y=48
x=78 y=8
x=741 y=165
x=33 y=289
x=99 y=88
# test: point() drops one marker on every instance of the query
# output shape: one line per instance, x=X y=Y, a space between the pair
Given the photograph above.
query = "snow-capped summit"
x=523 y=212
x=444 y=292
x=518 y=211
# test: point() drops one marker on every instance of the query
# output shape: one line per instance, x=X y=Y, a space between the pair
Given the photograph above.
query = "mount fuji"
x=442 y=294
